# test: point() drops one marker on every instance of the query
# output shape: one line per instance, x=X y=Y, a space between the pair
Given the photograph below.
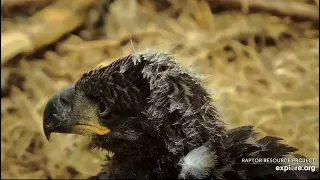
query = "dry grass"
x=262 y=69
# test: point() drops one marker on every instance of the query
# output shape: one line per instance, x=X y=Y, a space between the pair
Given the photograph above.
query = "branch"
x=16 y=3
x=44 y=28
x=281 y=7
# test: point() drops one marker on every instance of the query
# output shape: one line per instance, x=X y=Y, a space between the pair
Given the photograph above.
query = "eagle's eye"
x=104 y=111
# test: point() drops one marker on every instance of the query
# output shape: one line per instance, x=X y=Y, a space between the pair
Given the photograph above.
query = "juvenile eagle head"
x=137 y=98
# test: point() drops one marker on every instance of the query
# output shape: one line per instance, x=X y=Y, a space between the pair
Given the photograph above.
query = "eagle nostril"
x=67 y=95
x=50 y=125
x=64 y=101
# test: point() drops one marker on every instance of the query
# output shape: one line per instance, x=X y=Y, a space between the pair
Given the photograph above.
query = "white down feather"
x=198 y=163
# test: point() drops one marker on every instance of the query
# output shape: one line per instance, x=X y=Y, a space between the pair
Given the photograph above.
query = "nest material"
x=262 y=70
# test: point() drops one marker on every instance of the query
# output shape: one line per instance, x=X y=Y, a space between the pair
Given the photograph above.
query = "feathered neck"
x=179 y=108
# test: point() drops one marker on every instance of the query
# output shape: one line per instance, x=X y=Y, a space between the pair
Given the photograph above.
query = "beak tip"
x=47 y=134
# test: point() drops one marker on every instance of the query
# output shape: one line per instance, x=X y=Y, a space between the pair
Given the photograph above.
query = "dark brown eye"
x=104 y=111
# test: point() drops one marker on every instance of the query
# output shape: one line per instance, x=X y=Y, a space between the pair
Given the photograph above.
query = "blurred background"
x=258 y=58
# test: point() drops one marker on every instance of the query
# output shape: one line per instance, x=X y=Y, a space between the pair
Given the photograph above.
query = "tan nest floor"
x=262 y=70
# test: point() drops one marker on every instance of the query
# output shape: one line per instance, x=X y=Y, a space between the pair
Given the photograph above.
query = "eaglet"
x=160 y=122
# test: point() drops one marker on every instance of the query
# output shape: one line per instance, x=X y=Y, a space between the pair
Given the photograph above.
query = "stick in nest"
x=45 y=27
x=281 y=7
